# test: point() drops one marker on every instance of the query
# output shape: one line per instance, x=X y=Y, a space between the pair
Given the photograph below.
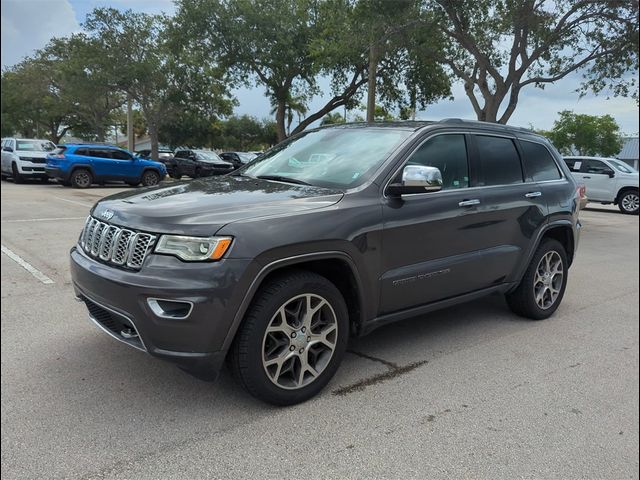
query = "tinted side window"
x=82 y=151
x=539 y=163
x=574 y=164
x=597 y=167
x=100 y=153
x=499 y=162
x=448 y=153
x=182 y=154
x=120 y=155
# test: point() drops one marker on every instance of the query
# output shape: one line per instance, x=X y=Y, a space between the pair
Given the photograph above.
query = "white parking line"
x=26 y=265
x=43 y=219
x=74 y=202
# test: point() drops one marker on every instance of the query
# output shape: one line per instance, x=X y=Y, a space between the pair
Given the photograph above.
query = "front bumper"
x=55 y=173
x=117 y=300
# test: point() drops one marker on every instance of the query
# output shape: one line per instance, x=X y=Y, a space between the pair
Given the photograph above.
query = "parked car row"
x=82 y=165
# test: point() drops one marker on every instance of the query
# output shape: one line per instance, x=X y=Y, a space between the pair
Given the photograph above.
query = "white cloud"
x=28 y=25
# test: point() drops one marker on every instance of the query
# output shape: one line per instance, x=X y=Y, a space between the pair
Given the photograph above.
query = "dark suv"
x=330 y=234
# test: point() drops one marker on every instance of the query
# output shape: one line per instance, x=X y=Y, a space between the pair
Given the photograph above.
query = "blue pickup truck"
x=81 y=165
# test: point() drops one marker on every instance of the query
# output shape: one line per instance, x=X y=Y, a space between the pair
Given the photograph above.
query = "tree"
x=33 y=103
x=586 y=134
x=293 y=105
x=145 y=61
x=332 y=119
x=285 y=45
x=499 y=47
x=83 y=84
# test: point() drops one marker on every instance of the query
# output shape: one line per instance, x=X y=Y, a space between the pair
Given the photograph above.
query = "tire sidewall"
x=620 y=203
x=544 y=248
x=252 y=367
x=75 y=184
x=145 y=176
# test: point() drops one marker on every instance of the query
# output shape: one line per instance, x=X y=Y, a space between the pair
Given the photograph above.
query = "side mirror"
x=417 y=179
x=8 y=149
x=611 y=174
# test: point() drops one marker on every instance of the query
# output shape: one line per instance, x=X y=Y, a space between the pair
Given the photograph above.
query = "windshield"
x=335 y=157
x=623 y=167
x=208 y=157
x=35 y=145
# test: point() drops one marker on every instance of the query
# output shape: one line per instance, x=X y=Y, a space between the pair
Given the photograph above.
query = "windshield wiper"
x=281 y=178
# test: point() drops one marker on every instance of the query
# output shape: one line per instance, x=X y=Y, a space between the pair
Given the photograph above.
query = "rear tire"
x=300 y=353
x=543 y=284
x=17 y=178
x=629 y=202
x=81 y=178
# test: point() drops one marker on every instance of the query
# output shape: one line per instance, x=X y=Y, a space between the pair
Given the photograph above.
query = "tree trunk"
x=153 y=135
x=280 y=114
x=371 y=84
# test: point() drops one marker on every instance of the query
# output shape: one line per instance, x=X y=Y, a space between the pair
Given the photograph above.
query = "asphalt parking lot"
x=468 y=392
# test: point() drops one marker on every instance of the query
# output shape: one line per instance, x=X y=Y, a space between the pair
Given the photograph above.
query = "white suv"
x=25 y=158
x=608 y=180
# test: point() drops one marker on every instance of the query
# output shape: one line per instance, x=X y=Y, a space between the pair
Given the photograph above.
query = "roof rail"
x=492 y=124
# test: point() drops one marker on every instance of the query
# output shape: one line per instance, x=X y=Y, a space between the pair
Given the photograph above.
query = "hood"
x=32 y=154
x=203 y=206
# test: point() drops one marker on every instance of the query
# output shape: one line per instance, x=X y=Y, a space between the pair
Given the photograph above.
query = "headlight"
x=193 y=249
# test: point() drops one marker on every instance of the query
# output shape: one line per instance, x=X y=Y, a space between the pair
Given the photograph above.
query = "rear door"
x=542 y=171
x=512 y=210
x=599 y=179
x=185 y=163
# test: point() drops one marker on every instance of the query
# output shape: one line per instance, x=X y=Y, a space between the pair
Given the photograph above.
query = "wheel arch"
x=562 y=231
x=337 y=267
x=622 y=190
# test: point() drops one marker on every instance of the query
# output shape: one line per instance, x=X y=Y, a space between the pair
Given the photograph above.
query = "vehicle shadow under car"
x=121 y=375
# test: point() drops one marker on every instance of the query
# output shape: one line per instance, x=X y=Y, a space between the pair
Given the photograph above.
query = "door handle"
x=586 y=177
x=469 y=203
x=533 y=194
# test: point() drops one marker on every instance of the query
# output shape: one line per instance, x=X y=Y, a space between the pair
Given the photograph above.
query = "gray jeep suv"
x=330 y=234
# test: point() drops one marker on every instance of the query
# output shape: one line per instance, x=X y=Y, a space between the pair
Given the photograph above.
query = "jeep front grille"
x=115 y=245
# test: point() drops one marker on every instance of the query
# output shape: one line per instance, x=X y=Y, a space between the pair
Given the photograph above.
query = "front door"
x=438 y=245
x=598 y=177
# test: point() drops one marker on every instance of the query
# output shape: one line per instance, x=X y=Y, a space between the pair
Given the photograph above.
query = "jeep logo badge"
x=107 y=214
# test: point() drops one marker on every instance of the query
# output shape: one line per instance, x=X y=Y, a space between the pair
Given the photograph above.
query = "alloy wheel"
x=547 y=283
x=82 y=179
x=300 y=341
x=630 y=202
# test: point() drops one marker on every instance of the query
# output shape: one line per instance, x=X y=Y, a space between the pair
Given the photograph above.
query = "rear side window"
x=499 y=162
x=182 y=154
x=574 y=164
x=448 y=153
x=82 y=151
x=538 y=162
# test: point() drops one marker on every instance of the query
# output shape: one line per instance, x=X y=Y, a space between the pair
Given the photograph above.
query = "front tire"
x=15 y=174
x=81 y=178
x=292 y=340
x=543 y=284
x=150 y=178
x=629 y=202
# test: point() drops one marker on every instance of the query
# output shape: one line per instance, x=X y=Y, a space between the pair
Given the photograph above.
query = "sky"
x=29 y=24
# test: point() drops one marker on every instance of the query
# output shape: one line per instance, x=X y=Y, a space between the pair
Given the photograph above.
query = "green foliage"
x=585 y=134
x=332 y=119
x=143 y=58
x=499 y=47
